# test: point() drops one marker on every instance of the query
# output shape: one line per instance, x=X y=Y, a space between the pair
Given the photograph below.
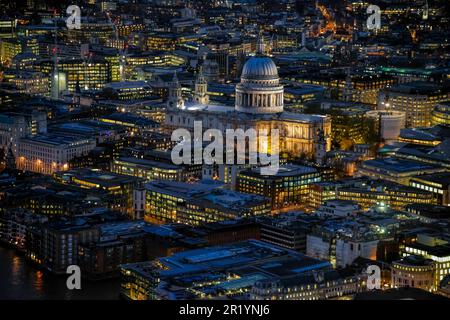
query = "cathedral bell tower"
x=175 y=100
x=321 y=147
x=201 y=89
x=10 y=159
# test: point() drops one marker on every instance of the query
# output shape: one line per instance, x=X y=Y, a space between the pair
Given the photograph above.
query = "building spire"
x=175 y=93
x=260 y=45
x=10 y=159
x=201 y=89
x=175 y=78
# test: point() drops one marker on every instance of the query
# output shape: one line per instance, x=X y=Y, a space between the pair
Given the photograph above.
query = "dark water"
x=19 y=280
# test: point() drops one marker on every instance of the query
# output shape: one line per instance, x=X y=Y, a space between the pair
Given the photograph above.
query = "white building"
x=341 y=252
x=47 y=154
x=388 y=123
x=338 y=208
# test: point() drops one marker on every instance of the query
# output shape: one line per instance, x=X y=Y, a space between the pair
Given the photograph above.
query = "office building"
x=150 y=170
x=320 y=285
x=120 y=188
x=47 y=154
x=436 y=249
x=416 y=99
x=437 y=183
x=198 y=203
x=289 y=187
x=441 y=114
x=213 y=272
x=396 y=170
x=391 y=194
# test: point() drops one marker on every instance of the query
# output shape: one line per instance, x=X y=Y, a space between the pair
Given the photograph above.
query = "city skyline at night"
x=225 y=150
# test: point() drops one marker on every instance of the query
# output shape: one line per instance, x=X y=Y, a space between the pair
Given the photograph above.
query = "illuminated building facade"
x=365 y=89
x=167 y=41
x=287 y=230
x=341 y=251
x=419 y=137
x=14 y=126
x=214 y=272
x=48 y=154
x=149 y=170
x=132 y=122
x=416 y=99
x=441 y=114
x=9 y=48
x=120 y=188
x=321 y=192
x=78 y=73
x=349 y=125
x=438 y=184
x=7 y=27
x=30 y=82
x=129 y=90
x=434 y=248
x=387 y=123
x=290 y=186
x=321 y=285
x=198 y=203
x=391 y=194
x=362 y=89
x=414 y=272
x=396 y=170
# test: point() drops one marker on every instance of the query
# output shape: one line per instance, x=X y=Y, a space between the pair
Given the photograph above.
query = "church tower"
x=348 y=89
x=10 y=159
x=321 y=147
x=175 y=100
x=201 y=89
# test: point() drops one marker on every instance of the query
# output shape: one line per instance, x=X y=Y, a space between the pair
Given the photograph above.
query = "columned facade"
x=260 y=91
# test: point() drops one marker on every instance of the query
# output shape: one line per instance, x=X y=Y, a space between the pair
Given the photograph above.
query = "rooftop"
x=398 y=165
x=287 y=170
x=208 y=192
x=250 y=256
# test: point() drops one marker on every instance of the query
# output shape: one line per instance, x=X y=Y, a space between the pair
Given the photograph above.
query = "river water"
x=21 y=281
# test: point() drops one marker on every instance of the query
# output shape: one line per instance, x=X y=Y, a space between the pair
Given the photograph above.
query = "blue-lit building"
x=214 y=272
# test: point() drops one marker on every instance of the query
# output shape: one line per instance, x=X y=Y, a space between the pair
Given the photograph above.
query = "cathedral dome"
x=260 y=91
x=260 y=68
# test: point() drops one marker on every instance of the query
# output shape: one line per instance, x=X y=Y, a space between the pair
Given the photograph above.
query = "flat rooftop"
x=150 y=164
x=56 y=140
x=250 y=256
x=207 y=191
x=129 y=118
x=101 y=178
x=287 y=170
x=398 y=165
x=442 y=178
